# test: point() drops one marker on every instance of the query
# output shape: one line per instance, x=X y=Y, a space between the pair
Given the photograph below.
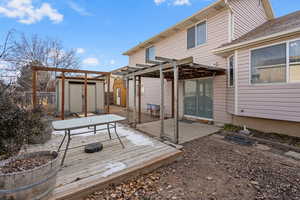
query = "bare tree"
x=34 y=50
x=48 y=52
x=7 y=45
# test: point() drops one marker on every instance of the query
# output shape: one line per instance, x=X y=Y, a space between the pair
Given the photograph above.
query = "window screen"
x=191 y=37
x=268 y=65
x=150 y=54
x=201 y=33
x=231 y=71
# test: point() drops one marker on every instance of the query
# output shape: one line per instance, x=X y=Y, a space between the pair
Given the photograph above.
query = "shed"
x=74 y=95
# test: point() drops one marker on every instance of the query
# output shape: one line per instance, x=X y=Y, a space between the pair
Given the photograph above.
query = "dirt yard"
x=215 y=169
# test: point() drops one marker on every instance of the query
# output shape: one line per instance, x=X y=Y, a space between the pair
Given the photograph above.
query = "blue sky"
x=102 y=30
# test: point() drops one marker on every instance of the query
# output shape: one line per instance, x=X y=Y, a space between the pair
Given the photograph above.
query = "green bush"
x=232 y=128
x=17 y=124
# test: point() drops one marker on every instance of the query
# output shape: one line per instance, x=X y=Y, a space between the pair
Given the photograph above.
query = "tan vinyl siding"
x=248 y=14
x=151 y=94
x=175 y=46
x=219 y=95
x=230 y=100
x=271 y=101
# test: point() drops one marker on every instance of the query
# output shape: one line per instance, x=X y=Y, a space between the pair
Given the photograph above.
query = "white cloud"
x=27 y=13
x=82 y=11
x=112 y=62
x=157 y=2
x=80 y=50
x=174 y=2
x=181 y=2
x=91 y=61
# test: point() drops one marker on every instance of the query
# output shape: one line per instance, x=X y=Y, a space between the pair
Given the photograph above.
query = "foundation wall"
x=269 y=126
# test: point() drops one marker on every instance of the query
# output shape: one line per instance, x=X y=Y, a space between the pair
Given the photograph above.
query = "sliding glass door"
x=198 y=98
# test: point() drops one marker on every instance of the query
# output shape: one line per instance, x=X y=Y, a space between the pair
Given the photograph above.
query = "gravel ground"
x=214 y=169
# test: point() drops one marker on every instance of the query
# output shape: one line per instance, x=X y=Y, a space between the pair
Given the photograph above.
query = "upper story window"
x=150 y=54
x=274 y=64
x=196 y=35
x=231 y=71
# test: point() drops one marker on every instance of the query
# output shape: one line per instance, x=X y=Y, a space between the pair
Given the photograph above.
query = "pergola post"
x=172 y=99
x=176 y=130
x=162 y=102
x=85 y=95
x=62 y=96
x=108 y=92
x=140 y=99
x=127 y=98
x=134 y=100
x=34 y=98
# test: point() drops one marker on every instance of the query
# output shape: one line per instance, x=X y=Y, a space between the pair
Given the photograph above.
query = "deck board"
x=82 y=172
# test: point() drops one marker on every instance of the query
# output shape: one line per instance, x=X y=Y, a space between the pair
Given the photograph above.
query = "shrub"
x=232 y=128
x=11 y=123
x=17 y=124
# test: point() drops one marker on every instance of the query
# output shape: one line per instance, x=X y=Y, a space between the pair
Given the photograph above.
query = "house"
x=260 y=53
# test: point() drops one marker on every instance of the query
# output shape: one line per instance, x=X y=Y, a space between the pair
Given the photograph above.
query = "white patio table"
x=94 y=121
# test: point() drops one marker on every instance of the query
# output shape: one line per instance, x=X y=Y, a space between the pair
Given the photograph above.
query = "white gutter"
x=256 y=41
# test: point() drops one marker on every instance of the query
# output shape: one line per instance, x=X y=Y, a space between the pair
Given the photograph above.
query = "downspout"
x=231 y=21
x=236 y=76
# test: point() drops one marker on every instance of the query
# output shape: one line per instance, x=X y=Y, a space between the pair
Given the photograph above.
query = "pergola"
x=172 y=70
x=63 y=71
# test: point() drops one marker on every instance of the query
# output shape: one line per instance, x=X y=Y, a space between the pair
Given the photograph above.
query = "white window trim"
x=287 y=42
x=231 y=26
x=228 y=68
x=195 y=25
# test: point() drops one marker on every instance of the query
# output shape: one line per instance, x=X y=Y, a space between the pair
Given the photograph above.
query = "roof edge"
x=148 y=41
x=269 y=10
x=256 y=41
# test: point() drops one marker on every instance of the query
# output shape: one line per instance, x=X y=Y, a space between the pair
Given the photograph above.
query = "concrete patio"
x=188 y=130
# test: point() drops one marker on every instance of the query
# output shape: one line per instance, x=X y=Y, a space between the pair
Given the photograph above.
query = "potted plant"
x=24 y=176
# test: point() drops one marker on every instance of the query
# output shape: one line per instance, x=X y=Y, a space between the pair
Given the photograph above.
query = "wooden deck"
x=84 y=173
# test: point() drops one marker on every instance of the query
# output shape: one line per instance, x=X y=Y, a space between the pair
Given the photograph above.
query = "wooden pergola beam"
x=80 y=78
x=166 y=65
x=53 y=69
x=143 y=66
x=164 y=59
x=154 y=62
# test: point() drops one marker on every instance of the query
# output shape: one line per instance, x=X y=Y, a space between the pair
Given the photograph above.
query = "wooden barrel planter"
x=35 y=184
